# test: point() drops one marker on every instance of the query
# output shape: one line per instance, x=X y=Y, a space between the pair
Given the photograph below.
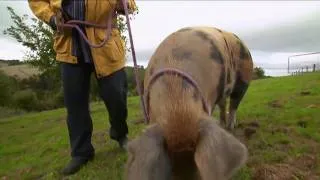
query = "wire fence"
x=305 y=69
x=303 y=63
x=296 y=65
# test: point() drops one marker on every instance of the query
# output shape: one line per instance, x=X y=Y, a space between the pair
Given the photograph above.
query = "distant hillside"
x=10 y=62
x=3 y=64
x=21 y=71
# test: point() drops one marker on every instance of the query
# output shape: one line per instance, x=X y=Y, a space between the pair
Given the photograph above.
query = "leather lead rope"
x=143 y=106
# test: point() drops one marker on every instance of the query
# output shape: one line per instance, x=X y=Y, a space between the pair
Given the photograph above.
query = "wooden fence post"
x=314 y=68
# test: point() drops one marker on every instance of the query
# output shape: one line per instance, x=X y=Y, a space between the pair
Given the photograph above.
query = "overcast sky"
x=273 y=30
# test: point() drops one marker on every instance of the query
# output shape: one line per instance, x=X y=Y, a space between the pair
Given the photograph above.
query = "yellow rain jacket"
x=107 y=59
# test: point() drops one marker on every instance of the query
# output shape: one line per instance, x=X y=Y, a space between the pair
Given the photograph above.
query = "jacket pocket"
x=114 y=47
x=61 y=44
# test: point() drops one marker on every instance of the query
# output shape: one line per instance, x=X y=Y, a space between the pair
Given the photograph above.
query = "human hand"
x=53 y=22
x=120 y=8
x=56 y=22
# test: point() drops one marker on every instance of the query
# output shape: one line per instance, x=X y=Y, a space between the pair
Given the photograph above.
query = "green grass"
x=36 y=145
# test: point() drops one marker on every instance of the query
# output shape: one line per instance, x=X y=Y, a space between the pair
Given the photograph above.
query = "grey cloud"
x=19 y=6
x=296 y=36
x=142 y=56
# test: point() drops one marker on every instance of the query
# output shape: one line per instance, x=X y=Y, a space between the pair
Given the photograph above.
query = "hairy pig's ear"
x=218 y=154
x=147 y=158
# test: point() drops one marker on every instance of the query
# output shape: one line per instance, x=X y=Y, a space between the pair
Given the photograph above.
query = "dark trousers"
x=113 y=91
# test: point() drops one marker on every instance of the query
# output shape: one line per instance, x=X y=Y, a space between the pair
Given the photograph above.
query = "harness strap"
x=182 y=74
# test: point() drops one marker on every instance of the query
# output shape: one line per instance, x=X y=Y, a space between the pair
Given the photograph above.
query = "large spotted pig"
x=183 y=141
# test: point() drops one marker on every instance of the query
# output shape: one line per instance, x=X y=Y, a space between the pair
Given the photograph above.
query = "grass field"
x=278 y=121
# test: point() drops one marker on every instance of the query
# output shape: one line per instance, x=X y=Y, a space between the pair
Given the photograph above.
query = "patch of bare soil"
x=24 y=171
x=253 y=124
x=302 y=167
x=284 y=130
x=302 y=123
x=289 y=168
x=305 y=93
x=60 y=119
x=64 y=152
x=298 y=168
x=245 y=131
x=313 y=106
x=276 y=104
x=275 y=172
x=138 y=121
x=99 y=137
x=248 y=132
x=305 y=162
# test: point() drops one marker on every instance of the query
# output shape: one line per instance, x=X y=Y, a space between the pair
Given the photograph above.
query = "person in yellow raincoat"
x=78 y=61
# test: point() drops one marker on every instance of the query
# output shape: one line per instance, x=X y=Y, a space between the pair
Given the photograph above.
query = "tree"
x=258 y=73
x=132 y=85
x=8 y=86
x=36 y=37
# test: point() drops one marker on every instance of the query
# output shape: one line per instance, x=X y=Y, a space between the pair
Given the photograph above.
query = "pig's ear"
x=218 y=154
x=147 y=158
